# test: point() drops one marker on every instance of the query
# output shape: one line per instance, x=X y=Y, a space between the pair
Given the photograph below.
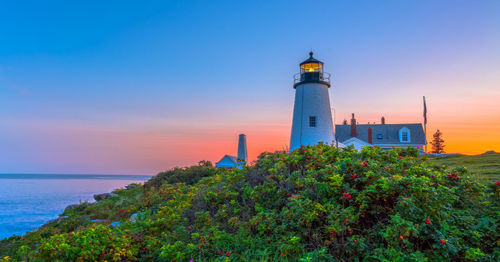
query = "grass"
x=485 y=167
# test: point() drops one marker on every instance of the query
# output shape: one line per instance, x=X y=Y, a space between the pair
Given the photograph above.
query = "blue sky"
x=140 y=86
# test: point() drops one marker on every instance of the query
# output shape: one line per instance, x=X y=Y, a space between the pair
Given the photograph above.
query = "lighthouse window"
x=311 y=67
x=312 y=121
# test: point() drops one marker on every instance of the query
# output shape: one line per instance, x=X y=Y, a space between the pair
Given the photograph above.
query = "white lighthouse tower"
x=312 y=116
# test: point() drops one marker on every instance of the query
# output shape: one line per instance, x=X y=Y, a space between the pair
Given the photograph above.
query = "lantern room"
x=311 y=71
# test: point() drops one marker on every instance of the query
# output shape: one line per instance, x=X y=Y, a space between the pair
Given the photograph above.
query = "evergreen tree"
x=437 y=143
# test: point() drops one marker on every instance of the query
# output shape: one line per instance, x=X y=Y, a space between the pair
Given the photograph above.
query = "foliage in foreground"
x=317 y=203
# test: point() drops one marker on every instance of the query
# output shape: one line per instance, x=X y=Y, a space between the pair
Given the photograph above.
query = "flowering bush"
x=94 y=243
x=318 y=203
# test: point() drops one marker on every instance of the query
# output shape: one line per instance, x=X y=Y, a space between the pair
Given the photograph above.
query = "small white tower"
x=242 y=147
x=312 y=117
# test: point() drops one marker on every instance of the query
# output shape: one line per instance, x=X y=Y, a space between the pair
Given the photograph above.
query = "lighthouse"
x=312 y=117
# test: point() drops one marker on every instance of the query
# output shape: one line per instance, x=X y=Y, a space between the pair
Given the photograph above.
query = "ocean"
x=28 y=201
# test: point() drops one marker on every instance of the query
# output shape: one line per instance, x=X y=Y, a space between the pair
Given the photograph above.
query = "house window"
x=380 y=136
x=404 y=135
x=312 y=121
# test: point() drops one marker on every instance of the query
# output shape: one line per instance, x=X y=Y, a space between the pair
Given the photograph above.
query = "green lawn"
x=484 y=168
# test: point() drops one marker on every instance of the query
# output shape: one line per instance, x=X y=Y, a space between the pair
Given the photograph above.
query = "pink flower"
x=427 y=221
x=497 y=183
x=442 y=241
x=347 y=195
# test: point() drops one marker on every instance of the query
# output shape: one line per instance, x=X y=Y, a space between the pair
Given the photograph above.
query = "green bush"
x=318 y=203
x=91 y=244
x=189 y=175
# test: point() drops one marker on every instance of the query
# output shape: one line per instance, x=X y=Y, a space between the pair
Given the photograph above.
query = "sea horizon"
x=28 y=201
x=69 y=176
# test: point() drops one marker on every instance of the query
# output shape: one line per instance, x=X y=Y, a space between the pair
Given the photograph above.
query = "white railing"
x=322 y=77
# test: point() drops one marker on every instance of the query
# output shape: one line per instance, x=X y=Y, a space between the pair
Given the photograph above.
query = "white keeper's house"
x=385 y=136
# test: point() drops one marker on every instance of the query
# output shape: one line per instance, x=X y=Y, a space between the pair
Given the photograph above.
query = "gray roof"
x=389 y=132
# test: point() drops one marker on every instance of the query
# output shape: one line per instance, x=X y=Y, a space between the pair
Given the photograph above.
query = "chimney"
x=353 y=126
x=383 y=120
x=242 y=147
x=370 y=135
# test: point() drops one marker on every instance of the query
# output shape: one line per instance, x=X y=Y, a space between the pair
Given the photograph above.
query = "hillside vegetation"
x=483 y=168
x=318 y=203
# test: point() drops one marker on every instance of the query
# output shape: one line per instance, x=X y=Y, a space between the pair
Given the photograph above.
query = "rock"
x=489 y=152
x=98 y=221
x=99 y=197
x=130 y=186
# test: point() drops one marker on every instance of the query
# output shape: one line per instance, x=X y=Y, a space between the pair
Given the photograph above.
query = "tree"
x=437 y=143
x=205 y=163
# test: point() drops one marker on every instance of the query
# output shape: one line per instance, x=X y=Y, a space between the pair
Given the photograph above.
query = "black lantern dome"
x=311 y=71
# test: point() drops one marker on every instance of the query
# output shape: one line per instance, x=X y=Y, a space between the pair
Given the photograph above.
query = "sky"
x=138 y=87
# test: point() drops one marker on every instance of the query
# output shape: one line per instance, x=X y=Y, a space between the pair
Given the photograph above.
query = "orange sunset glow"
x=138 y=95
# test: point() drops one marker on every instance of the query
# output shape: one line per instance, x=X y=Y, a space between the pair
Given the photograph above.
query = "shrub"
x=187 y=175
x=94 y=243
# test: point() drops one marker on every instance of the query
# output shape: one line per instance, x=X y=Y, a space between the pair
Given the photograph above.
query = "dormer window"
x=404 y=135
x=312 y=121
